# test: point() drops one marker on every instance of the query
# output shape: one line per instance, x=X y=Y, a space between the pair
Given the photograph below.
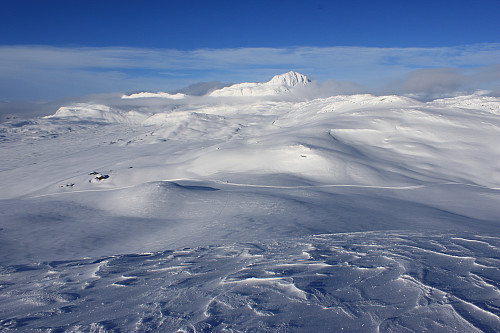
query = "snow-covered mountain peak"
x=277 y=85
x=290 y=79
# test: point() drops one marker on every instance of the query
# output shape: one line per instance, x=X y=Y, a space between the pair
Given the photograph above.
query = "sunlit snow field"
x=250 y=210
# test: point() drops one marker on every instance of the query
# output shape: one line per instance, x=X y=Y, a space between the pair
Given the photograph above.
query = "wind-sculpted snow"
x=363 y=282
x=361 y=213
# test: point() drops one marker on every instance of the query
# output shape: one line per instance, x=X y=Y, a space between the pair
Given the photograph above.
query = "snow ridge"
x=470 y=102
x=279 y=84
x=97 y=113
x=154 y=95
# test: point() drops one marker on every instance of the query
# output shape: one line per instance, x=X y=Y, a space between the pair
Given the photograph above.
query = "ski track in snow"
x=257 y=186
x=375 y=281
x=409 y=187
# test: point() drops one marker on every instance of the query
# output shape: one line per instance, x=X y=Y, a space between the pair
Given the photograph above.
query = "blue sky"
x=55 y=49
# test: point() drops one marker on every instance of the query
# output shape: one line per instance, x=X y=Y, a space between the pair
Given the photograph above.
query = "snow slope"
x=279 y=84
x=355 y=213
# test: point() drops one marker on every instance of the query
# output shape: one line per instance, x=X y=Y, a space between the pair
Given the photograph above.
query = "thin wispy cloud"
x=42 y=72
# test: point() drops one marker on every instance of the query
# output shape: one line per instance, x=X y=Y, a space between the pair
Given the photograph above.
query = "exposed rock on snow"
x=277 y=85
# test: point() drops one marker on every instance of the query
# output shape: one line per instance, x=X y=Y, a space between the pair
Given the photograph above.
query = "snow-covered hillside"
x=354 y=212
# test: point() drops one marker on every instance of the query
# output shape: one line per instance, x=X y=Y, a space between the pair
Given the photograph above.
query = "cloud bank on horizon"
x=48 y=72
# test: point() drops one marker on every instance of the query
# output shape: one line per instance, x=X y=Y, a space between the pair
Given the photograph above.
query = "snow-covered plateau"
x=247 y=210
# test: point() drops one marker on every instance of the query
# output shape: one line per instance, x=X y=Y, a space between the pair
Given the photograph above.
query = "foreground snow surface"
x=371 y=281
x=353 y=213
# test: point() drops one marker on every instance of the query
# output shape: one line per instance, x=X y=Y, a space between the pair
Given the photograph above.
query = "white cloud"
x=429 y=83
x=29 y=72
